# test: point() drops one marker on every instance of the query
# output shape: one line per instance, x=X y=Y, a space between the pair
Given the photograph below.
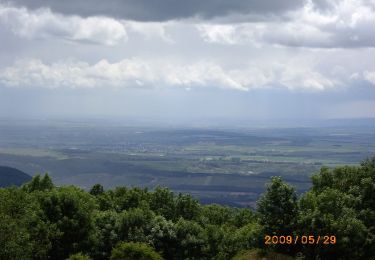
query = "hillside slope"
x=11 y=176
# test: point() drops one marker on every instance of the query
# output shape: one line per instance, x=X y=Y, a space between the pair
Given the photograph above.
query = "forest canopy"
x=42 y=221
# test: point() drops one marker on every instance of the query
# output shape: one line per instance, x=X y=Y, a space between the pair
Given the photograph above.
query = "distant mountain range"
x=10 y=176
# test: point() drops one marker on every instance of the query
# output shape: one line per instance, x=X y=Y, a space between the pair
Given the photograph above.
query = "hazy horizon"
x=192 y=123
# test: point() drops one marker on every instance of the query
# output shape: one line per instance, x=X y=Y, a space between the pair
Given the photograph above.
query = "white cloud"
x=295 y=77
x=151 y=29
x=346 y=24
x=219 y=33
x=126 y=73
x=138 y=72
x=190 y=62
x=369 y=76
x=43 y=23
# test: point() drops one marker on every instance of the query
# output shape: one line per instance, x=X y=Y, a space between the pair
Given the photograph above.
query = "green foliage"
x=134 y=224
x=41 y=221
x=278 y=208
x=186 y=207
x=190 y=239
x=125 y=199
x=250 y=236
x=105 y=201
x=214 y=236
x=23 y=231
x=162 y=202
x=131 y=251
x=162 y=236
x=97 y=189
x=39 y=183
x=257 y=255
x=216 y=214
x=79 y=256
x=106 y=233
x=242 y=217
x=71 y=211
x=342 y=202
x=15 y=240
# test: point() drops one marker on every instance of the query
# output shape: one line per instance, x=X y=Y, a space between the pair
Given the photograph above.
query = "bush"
x=131 y=251
x=79 y=256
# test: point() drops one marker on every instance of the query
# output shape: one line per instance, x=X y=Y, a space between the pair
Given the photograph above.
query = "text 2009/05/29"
x=304 y=240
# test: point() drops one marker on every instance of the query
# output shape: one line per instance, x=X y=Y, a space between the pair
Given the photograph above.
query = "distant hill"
x=11 y=176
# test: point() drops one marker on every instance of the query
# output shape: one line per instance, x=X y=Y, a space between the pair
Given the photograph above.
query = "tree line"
x=41 y=221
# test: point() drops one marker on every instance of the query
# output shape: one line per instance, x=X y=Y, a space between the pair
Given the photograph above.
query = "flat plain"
x=217 y=165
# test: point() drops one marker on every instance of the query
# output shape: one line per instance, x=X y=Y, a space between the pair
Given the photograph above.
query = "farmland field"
x=222 y=165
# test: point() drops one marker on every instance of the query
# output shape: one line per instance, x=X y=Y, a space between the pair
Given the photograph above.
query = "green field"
x=229 y=166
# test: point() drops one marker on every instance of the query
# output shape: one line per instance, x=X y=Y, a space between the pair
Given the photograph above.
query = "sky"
x=188 y=60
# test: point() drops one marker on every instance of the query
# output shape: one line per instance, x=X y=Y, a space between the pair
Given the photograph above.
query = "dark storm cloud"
x=329 y=5
x=162 y=10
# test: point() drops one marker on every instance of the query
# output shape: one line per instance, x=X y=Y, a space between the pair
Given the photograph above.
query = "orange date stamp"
x=304 y=240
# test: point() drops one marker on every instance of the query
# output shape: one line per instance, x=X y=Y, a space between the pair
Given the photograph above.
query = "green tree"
x=106 y=201
x=214 y=236
x=235 y=240
x=39 y=183
x=106 y=233
x=278 y=208
x=79 y=256
x=135 y=224
x=162 y=236
x=191 y=239
x=97 y=189
x=14 y=239
x=278 y=211
x=341 y=203
x=216 y=214
x=243 y=217
x=326 y=213
x=46 y=183
x=162 y=202
x=71 y=210
x=34 y=184
x=250 y=236
x=186 y=207
x=132 y=251
x=23 y=232
x=125 y=199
